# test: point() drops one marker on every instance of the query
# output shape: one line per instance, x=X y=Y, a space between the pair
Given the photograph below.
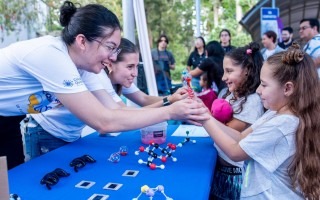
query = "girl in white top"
x=40 y=74
x=280 y=149
x=241 y=74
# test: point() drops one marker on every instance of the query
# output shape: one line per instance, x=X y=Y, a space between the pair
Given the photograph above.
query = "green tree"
x=15 y=14
x=175 y=18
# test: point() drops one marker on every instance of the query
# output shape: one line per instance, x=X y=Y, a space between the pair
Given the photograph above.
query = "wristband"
x=166 y=101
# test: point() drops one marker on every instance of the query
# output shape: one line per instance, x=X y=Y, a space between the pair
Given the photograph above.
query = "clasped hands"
x=189 y=109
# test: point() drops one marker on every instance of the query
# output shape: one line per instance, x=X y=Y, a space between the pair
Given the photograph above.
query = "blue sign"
x=269 y=13
x=268 y=19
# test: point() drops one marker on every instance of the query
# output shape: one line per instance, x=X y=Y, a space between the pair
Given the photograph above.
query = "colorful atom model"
x=186 y=140
x=166 y=152
x=186 y=79
x=151 y=150
x=150 y=192
x=115 y=157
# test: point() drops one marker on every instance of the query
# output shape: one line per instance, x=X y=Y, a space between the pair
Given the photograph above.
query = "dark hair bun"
x=67 y=10
x=293 y=55
x=254 y=46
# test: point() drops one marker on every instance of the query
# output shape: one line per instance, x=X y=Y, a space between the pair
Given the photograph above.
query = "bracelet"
x=166 y=101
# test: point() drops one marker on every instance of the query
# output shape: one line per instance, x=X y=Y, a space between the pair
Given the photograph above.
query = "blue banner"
x=269 y=20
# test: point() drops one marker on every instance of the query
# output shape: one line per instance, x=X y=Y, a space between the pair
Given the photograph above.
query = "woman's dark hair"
x=214 y=63
x=229 y=33
x=214 y=74
x=271 y=34
x=203 y=41
x=90 y=20
x=126 y=47
x=163 y=36
x=249 y=58
x=215 y=49
x=205 y=77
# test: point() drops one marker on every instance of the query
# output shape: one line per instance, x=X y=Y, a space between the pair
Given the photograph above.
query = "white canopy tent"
x=133 y=10
x=134 y=13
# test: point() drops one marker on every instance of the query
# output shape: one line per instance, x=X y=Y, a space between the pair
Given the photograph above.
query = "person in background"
x=269 y=41
x=40 y=74
x=212 y=65
x=241 y=73
x=309 y=32
x=207 y=95
x=163 y=61
x=48 y=131
x=225 y=40
x=286 y=36
x=195 y=59
x=280 y=149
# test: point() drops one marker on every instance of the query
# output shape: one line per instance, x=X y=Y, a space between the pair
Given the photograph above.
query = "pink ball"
x=221 y=110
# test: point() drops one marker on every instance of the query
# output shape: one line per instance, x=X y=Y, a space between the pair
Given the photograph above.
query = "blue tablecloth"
x=188 y=178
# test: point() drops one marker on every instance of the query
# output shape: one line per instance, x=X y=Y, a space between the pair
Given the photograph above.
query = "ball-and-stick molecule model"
x=150 y=192
x=186 y=79
x=186 y=140
x=151 y=150
x=166 y=152
x=115 y=157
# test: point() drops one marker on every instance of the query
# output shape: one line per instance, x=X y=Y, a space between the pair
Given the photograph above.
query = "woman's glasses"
x=112 y=49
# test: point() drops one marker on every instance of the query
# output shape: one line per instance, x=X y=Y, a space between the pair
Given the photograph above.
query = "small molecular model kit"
x=150 y=192
x=155 y=151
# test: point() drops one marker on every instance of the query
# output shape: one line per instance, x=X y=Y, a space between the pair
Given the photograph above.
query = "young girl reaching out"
x=241 y=74
x=207 y=95
x=280 y=149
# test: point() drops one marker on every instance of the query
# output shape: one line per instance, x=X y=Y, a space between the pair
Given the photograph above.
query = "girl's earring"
x=109 y=68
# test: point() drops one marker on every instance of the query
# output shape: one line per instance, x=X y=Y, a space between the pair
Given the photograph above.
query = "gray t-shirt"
x=271 y=147
x=252 y=110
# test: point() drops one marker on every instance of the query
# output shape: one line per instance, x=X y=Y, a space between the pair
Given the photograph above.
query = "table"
x=188 y=178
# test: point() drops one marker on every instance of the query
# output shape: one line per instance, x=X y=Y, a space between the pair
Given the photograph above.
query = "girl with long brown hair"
x=281 y=149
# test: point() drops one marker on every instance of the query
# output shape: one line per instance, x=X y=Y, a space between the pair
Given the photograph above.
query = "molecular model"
x=187 y=139
x=150 y=192
x=115 y=157
x=186 y=79
x=166 y=152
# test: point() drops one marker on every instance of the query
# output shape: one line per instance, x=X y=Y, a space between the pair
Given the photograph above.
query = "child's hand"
x=189 y=110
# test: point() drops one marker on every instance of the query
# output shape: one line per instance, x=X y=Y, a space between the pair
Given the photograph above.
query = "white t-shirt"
x=54 y=121
x=60 y=122
x=271 y=147
x=32 y=71
x=252 y=110
x=268 y=52
x=313 y=48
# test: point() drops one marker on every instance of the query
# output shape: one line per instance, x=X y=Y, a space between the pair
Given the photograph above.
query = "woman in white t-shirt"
x=47 y=131
x=40 y=74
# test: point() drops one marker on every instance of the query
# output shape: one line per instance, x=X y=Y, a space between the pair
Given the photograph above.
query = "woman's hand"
x=190 y=111
x=180 y=94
